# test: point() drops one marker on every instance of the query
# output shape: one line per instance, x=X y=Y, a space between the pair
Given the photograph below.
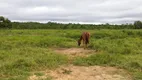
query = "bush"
x=5 y=22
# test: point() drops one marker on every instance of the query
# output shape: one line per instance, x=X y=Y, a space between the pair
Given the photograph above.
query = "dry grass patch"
x=72 y=72
x=72 y=52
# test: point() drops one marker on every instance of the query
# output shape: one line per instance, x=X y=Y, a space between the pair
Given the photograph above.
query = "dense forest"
x=6 y=23
x=54 y=25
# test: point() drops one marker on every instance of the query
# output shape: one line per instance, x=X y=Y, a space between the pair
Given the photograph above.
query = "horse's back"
x=86 y=36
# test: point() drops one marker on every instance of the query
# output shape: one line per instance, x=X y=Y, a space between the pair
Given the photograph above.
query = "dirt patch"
x=74 y=51
x=89 y=73
x=71 y=72
x=33 y=77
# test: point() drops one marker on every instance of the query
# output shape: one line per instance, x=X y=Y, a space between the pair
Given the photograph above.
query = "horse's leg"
x=84 y=45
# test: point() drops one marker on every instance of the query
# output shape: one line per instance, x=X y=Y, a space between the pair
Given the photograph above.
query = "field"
x=27 y=52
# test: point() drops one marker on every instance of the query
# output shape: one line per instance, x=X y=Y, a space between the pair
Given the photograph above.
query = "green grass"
x=23 y=52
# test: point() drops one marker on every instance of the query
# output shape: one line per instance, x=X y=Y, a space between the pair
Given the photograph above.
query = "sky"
x=73 y=11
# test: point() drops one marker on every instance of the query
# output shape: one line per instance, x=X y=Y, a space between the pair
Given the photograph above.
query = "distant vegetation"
x=54 y=25
x=6 y=23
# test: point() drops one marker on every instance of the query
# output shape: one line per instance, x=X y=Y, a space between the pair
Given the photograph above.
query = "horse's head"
x=79 y=42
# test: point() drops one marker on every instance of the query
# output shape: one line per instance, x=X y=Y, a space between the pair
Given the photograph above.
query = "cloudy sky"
x=80 y=11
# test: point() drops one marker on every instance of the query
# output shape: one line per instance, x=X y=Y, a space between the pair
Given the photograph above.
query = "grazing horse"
x=85 y=37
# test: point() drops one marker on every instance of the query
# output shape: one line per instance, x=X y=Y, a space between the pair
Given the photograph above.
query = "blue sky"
x=76 y=11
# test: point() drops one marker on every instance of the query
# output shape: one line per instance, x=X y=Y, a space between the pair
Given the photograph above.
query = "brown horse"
x=85 y=37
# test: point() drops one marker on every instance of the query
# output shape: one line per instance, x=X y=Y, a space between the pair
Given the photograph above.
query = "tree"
x=5 y=22
x=1 y=18
x=138 y=24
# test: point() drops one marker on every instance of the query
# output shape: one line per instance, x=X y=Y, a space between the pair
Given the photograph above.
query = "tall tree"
x=138 y=24
x=5 y=22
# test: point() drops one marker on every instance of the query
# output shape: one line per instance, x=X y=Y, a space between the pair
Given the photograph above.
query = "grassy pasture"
x=25 y=52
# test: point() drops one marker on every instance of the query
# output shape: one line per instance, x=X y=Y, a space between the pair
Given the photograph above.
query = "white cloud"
x=83 y=11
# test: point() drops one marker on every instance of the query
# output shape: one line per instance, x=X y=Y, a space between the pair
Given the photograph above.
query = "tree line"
x=6 y=23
